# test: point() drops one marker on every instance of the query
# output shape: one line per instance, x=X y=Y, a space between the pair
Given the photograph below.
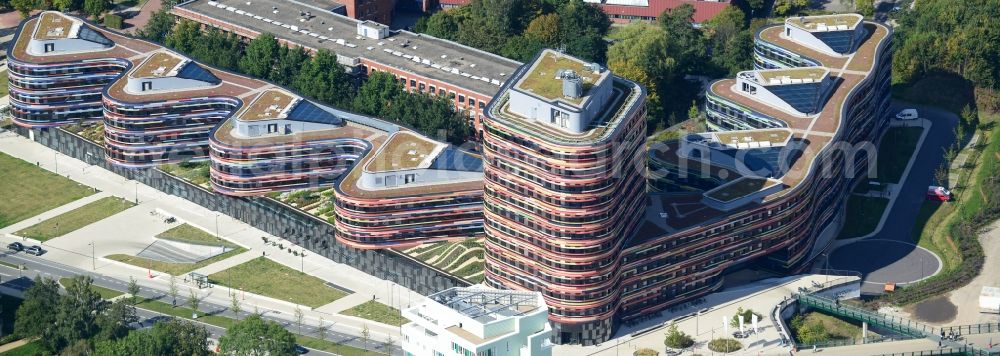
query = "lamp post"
x=93 y=255
x=136 y=192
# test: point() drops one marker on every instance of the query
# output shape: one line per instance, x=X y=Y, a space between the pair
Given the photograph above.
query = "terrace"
x=826 y=22
x=53 y=26
x=160 y=64
x=740 y=188
x=543 y=81
x=403 y=151
x=750 y=138
x=269 y=105
x=785 y=76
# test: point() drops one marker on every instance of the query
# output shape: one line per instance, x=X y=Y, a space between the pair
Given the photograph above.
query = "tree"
x=299 y=318
x=75 y=315
x=290 y=61
x=583 y=27
x=173 y=290
x=376 y=93
x=322 y=329
x=941 y=174
x=365 y=335
x=158 y=27
x=133 y=290
x=442 y=24
x=389 y=343
x=677 y=339
x=95 y=8
x=255 y=336
x=25 y=6
x=260 y=56
x=184 y=36
x=173 y=337
x=35 y=315
x=731 y=42
x=747 y=315
x=789 y=7
x=521 y=48
x=545 y=29
x=693 y=112
x=117 y=321
x=865 y=7
x=193 y=301
x=234 y=305
x=323 y=79
x=66 y=5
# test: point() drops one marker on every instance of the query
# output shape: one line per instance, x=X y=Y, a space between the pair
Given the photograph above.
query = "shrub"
x=645 y=352
x=113 y=21
x=677 y=339
x=724 y=345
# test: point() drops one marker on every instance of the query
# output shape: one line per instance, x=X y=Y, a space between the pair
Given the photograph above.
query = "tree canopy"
x=172 y=337
x=256 y=336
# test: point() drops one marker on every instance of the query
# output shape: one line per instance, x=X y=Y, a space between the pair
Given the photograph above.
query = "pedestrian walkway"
x=343 y=276
x=227 y=263
x=956 y=167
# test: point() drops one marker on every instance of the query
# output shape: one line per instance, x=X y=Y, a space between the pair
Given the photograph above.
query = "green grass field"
x=268 y=278
x=863 y=215
x=3 y=83
x=194 y=172
x=894 y=153
x=104 y=292
x=174 y=269
x=190 y=234
x=376 y=311
x=75 y=219
x=33 y=348
x=29 y=190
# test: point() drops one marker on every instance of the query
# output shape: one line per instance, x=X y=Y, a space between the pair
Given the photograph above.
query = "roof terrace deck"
x=814 y=74
x=542 y=80
x=125 y=47
x=269 y=105
x=52 y=26
x=740 y=188
x=398 y=50
x=825 y=22
x=160 y=64
x=404 y=150
x=775 y=136
x=232 y=85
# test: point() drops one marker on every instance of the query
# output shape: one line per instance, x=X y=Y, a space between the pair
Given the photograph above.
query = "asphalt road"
x=890 y=254
x=55 y=270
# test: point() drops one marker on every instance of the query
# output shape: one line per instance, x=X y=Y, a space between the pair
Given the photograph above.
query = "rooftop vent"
x=571 y=86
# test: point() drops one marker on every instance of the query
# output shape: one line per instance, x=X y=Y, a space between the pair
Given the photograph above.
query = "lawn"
x=863 y=215
x=835 y=329
x=376 y=311
x=29 y=190
x=174 y=269
x=268 y=278
x=3 y=83
x=104 y=292
x=894 y=152
x=193 y=235
x=338 y=349
x=75 y=219
x=33 y=348
x=194 y=172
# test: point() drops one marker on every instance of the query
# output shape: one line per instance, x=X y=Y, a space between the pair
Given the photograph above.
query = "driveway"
x=902 y=261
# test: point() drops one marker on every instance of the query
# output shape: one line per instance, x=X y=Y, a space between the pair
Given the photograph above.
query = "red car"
x=938 y=193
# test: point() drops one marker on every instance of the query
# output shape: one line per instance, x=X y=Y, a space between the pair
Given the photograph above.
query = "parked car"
x=907 y=114
x=938 y=193
x=301 y=350
x=35 y=250
x=15 y=246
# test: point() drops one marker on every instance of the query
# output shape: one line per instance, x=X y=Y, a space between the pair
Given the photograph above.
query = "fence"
x=897 y=324
x=971 y=329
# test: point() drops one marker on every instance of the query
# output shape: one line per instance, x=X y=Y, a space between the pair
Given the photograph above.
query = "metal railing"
x=897 y=324
x=984 y=328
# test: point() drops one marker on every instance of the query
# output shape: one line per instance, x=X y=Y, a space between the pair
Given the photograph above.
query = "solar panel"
x=93 y=36
x=309 y=112
x=193 y=71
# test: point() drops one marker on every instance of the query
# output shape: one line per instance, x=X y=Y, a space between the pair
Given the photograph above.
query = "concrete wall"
x=265 y=214
x=134 y=85
x=62 y=46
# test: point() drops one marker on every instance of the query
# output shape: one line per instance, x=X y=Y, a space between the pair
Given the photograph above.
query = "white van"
x=907 y=114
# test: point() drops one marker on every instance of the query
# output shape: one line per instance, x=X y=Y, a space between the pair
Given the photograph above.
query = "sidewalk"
x=231 y=229
x=956 y=167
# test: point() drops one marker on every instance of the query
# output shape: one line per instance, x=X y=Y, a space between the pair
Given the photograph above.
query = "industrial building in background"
x=628 y=11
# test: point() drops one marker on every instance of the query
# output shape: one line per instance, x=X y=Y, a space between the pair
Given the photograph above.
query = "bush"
x=724 y=345
x=747 y=317
x=646 y=352
x=677 y=339
x=114 y=21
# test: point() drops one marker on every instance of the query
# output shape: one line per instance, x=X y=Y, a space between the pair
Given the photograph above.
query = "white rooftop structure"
x=478 y=321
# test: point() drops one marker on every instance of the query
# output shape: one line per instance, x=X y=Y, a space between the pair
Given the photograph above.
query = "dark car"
x=35 y=250
x=301 y=350
x=15 y=246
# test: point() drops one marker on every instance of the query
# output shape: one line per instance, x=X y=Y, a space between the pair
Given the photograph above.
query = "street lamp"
x=93 y=255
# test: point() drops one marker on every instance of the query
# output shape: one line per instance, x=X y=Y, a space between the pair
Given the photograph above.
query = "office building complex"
x=564 y=146
x=769 y=186
x=478 y=322
x=628 y=11
x=421 y=63
x=394 y=187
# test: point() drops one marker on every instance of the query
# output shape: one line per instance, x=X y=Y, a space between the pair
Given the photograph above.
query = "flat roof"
x=446 y=61
x=268 y=105
x=825 y=22
x=779 y=76
x=121 y=46
x=543 y=78
x=774 y=136
x=160 y=64
x=53 y=25
x=740 y=188
x=404 y=150
x=487 y=305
